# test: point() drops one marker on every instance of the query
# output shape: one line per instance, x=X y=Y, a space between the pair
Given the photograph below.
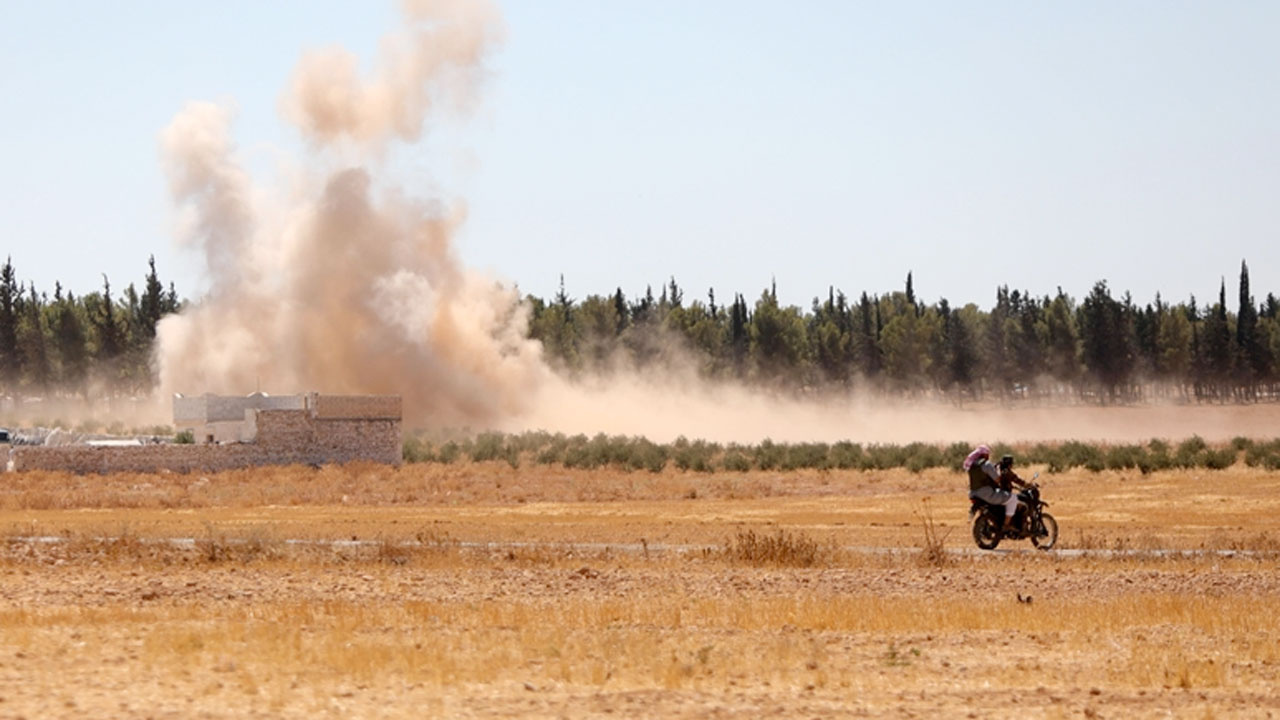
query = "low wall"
x=295 y=438
x=178 y=458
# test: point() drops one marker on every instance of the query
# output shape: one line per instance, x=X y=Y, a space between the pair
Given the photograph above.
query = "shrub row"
x=636 y=453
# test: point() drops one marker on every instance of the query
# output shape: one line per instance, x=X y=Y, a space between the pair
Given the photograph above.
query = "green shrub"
x=188 y=437
x=696 y=455
x=1125 y=457
x=1189 y=451
x=1039 y=454
x=805 y=455
x=735 y=460
x=921 y=456
x=1156 y=457
x=1259 y=454
x=449 y=453
x=956 y=452
x=531 y=441
x=1076 y=454
x=488 y=446
x=1218 y=459
x=588 y=454
x=554 y=451
x=768 y=455
x=884 y=457
x=846 y=455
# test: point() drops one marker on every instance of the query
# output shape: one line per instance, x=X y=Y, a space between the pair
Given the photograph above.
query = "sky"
x=725 y=144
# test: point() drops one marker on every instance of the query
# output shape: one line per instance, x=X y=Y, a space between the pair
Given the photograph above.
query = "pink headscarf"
x=979 y=452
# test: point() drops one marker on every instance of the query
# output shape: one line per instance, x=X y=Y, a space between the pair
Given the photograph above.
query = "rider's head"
x=982 y=452
x=1006 y=462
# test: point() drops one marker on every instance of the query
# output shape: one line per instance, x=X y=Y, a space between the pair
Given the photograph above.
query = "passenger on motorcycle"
x=985 y=480
x=1009 y=479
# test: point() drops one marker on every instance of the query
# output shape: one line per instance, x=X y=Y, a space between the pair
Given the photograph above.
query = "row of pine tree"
x=91 y=345
x=1099 y=349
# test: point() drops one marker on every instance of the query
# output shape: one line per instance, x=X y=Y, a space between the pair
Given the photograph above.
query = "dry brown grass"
x=420 y=618
x=851 y=651
x=780 y=549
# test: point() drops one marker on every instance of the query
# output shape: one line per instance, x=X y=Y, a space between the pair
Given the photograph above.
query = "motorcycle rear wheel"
x=986 y=533
x=1048 y=537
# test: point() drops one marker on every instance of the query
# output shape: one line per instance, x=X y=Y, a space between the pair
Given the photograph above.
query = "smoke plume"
x=347 y=286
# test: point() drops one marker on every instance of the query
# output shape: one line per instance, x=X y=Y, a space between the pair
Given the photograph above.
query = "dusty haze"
x=340 y=281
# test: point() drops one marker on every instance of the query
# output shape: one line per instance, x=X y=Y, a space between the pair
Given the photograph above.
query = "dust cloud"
x=343 y=282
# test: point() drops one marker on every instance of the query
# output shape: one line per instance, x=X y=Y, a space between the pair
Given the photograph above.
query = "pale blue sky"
x=619 y=143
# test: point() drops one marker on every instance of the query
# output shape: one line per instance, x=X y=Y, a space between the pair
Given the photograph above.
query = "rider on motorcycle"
x=1008 y=479
x=985 y=481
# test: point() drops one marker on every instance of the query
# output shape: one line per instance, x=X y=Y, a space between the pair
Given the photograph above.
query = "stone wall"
x=283 y=437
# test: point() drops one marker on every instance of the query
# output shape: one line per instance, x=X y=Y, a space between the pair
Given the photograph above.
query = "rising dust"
x=343 y=281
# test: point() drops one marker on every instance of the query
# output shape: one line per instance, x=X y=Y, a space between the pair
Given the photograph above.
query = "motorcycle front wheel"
x=986 y=533
x=1045 y=536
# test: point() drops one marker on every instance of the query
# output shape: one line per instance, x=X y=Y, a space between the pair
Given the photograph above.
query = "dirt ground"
x=487 y=591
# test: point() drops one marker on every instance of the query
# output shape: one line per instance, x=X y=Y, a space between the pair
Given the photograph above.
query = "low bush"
x=735 y=460
x=806 y=455
x=1125 y=457
x=696 y=456
x=846 y=455
x=768 y=456
x=638 y=453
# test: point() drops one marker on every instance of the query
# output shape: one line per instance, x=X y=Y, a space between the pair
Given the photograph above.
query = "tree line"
x=1102 y=348
x=92 y=345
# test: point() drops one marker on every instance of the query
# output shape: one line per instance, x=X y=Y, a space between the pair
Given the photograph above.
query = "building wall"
x=351 y=407
x=206 y=409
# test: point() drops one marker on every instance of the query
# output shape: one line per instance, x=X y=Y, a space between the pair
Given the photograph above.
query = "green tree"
x=1024 y=338
x=1217 y=349
x=1254 y=356
x=905 y=341
x=10 y=353
x=831 y=339
x=38 y=371
x=1107 y=338
x=1062 y=340
x=959 y=358
x=998 y=357
x=69 y=343
x=867 y=340
x=739 y=335
x=778 y=342
x=597 y=327
x=1173 y=347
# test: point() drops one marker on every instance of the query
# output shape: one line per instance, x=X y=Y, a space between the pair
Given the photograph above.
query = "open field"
x=417 y=620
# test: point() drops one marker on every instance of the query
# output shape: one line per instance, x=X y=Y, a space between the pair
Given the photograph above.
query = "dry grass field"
x=479 y=590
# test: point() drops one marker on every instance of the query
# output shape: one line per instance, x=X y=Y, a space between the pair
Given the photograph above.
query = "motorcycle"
x=1031 y=521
